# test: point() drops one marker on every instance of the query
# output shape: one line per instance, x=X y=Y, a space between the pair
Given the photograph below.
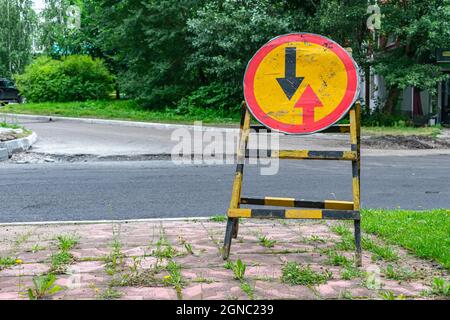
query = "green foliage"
x=66 y=242
x=441 y=287
x=219 y=218
x=43 y=286
x=238 y=268
x=226 y=34
x=295 y=274
x=214 y=96
x=6 y=262
x=17 y=25
x=60 y=260
x=266 y=242
x=110 y=294
x=425 y=233
x=377 y=118
x=73 y=78
x=399 y=274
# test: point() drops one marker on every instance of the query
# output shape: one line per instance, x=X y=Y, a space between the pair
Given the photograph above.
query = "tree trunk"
x=117 y=90
x=391 y=101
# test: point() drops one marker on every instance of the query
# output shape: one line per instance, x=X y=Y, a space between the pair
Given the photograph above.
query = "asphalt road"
x=161 y=189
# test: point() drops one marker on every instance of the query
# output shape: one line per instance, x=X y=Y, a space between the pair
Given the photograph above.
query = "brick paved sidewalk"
x=182 y=260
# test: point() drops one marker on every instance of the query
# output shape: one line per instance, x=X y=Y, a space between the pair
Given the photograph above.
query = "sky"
x=38 y=4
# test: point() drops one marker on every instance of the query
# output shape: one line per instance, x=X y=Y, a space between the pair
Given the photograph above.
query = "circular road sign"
x=300 y=83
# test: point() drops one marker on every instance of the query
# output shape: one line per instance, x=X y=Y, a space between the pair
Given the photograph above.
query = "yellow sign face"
x=300 y=83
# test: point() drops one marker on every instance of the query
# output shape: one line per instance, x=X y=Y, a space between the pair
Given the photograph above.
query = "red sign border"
x=340 y=111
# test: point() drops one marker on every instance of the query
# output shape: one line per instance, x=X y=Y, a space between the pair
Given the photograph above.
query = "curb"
x=7 y=148
x=83 y=222
x=125 y=123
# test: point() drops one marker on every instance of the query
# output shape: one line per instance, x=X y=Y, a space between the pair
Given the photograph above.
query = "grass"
x=130 y=110
x=266 y=242
x=295 y=274
x=399 y=274
x=441 y=287
x=110 y=294
x=115 y=258
x=60 y=261
x=66 y=242
x=118 y=110
x=402 y=131
x=425 y=233
x=43 y=286
x=6 y=262
x=218 y=218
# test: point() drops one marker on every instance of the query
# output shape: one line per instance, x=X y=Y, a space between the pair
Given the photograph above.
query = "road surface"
x=160 y=189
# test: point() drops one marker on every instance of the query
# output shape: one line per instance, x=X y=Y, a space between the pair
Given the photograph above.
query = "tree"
x=419 y=27
x=17 y=25
x=59 y=36
x=226 y=34
x=148 y=41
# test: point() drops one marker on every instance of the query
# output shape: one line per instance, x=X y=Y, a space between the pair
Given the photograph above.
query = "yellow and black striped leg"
x=228 y=237
x=235 y=228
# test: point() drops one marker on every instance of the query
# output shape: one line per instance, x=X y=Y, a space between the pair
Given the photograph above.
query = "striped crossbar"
x=303 y=154
x=339 y=128
x=294 y=214
x=291 y=202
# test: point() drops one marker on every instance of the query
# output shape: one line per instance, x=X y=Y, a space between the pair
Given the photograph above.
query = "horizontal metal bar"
x=314 y=155
x=291 y=202
x=339 y=128
x=302 y=154
x=294 y=214
x=258 y=128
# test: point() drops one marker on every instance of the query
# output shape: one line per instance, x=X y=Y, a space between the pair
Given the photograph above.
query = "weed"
x=203 y=280
x=351 y=272
x=115 y=259
x=239 y=269
x=43 y=286
x=36 y=247
x=266 y=242
x=7 y=262
x=60 y=260
x=228 y=265
x=294 y=274
x=381 y=252
x=248 y=289
x=400 y=274
x=314 y=239
x=110 y=294
x=345 y=295
x=66 y=242
x=336 y=259
x=219 y=218
x=389 y=295
x=174 y=278
x=188 y=248
x=441 y=287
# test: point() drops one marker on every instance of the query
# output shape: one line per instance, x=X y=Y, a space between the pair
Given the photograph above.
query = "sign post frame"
x=328 y=209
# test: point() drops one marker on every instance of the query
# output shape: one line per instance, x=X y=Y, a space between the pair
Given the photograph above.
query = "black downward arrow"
x=290 y=82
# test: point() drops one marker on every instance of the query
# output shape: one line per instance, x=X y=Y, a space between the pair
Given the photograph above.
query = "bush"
x=73 y=78
x=214 y=97
x=376 y=118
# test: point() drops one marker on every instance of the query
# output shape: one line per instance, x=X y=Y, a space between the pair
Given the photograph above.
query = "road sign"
x=300 y=83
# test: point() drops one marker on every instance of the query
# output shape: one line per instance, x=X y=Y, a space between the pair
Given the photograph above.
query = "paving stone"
x=203 y=271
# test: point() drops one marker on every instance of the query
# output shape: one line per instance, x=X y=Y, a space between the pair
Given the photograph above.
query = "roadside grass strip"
x=424 y=233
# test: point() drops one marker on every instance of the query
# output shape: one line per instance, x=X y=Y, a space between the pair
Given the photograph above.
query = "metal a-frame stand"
x=328 y=209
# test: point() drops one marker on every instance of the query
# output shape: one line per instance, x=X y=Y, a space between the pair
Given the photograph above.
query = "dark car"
x=9 y=92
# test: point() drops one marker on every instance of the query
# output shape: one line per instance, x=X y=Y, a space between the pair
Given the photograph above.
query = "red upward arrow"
x=308 y=101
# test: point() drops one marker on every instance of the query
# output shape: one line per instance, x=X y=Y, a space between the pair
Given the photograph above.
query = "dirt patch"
x=405 y=142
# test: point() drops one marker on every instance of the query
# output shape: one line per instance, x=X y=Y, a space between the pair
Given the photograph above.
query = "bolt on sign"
x=300 y=83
